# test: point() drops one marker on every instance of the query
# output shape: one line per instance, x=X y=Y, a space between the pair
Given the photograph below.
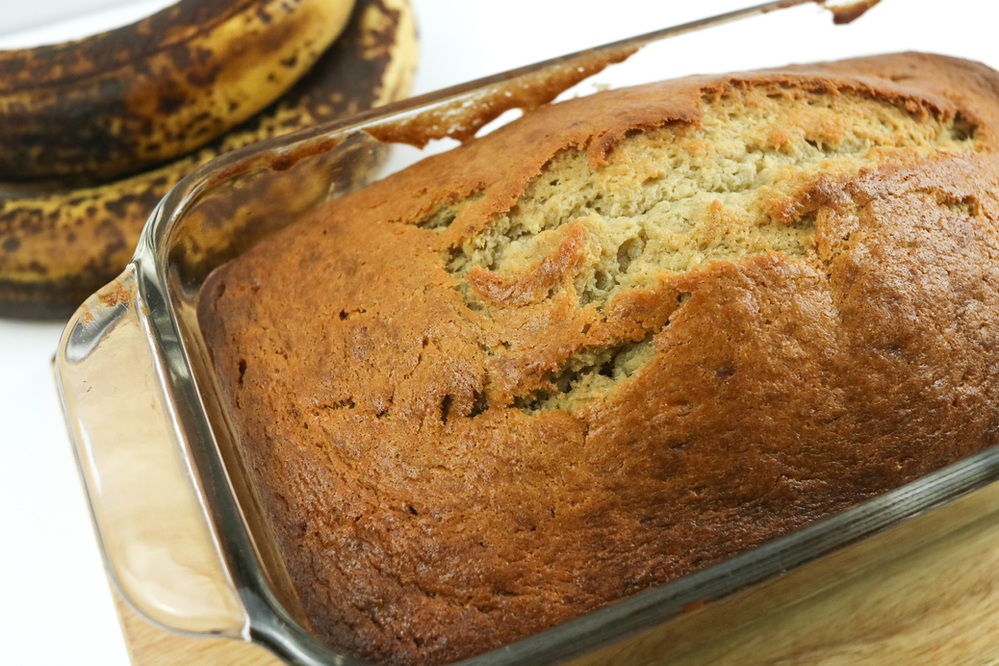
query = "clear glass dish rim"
x=271 y=625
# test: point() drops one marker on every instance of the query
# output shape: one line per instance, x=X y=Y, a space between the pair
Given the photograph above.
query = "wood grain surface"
x=925 y=593
x=150 y=646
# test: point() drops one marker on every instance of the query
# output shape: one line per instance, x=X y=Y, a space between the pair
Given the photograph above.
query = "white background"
x=54 y=602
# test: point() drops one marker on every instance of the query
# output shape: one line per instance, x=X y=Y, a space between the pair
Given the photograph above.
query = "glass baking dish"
x=908 y=577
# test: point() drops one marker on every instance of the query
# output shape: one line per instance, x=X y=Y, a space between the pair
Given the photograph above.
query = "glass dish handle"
x=158 y=543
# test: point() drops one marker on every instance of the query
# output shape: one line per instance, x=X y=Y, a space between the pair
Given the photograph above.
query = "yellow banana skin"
x=58 y=247
x=121 y=101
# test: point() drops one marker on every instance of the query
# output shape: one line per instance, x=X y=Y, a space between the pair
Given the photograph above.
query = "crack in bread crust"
x=739 y=184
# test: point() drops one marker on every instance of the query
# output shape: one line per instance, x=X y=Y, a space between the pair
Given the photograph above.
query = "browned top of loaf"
x=501 y=389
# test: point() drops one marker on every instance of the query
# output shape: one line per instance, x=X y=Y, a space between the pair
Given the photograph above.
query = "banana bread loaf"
x=618 y=340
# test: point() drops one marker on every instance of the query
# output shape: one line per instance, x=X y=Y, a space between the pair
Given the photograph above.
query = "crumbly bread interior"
x=677 y=196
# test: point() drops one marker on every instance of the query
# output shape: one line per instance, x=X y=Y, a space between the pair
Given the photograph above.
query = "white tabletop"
x=55 y=607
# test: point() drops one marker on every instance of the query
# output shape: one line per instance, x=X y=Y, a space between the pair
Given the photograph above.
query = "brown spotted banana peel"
x=58 y=247
x=121 y=101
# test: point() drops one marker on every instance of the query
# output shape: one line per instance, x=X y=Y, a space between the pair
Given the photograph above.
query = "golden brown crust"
x=426 y=515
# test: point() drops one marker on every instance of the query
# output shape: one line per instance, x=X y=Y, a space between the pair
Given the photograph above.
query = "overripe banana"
x=58 y=247
x=123 y=100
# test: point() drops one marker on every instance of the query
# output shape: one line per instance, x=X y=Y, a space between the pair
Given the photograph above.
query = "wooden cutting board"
x=150 y=646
